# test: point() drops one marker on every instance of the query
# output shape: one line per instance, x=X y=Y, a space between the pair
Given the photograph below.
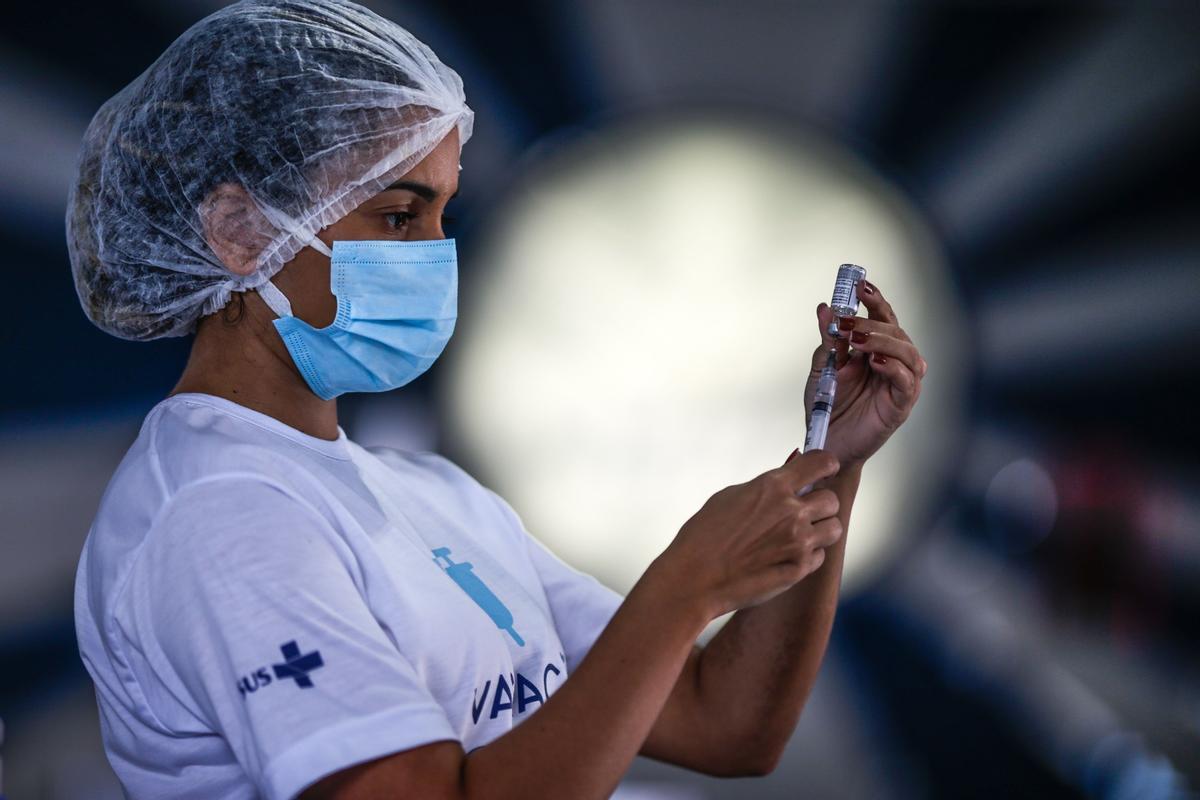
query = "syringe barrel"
x=818 y=428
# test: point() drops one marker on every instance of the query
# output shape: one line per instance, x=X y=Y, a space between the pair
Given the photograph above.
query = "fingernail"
x=858 y=337
x=846 y=323
x=867 y=287
x=878 y=359
x=795 y=453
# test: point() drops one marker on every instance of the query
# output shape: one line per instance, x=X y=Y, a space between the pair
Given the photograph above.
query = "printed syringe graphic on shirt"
x=479 y=592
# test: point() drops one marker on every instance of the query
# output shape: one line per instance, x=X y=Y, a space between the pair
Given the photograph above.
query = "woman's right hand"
x=754 y=540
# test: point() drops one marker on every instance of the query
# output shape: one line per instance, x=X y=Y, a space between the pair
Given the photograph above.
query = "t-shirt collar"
x=335 y=448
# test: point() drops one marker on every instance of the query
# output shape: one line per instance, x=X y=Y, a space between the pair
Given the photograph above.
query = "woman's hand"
x=873 y=397
x=753 y=540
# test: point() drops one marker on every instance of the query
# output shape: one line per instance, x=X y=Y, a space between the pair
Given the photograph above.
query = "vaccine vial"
x=845 y=294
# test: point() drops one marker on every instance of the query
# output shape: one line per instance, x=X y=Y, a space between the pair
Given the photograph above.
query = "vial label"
x=845 y=293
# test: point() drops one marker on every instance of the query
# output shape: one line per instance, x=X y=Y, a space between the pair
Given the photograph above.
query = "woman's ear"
x=234 y=228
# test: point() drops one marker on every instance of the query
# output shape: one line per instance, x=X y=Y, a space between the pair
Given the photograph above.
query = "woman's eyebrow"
x=422 y=190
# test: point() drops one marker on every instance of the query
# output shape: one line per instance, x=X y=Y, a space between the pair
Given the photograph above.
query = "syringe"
x=822 y=405
x=844 y=304
x=818 y=427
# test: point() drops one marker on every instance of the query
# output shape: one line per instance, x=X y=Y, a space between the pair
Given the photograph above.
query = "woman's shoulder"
x=196 y=436
x=184 y=441
x=187 y=468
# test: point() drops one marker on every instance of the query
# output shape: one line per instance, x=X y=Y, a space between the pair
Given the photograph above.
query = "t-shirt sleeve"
x=581 y=605
x=248 y=608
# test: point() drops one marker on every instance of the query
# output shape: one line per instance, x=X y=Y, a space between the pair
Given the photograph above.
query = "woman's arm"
x=581 y=742
x=753 y=678
x=750 y=683
x=603 y=712
x=749 y=543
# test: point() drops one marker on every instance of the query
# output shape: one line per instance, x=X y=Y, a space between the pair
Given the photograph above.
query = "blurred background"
x=656 y=198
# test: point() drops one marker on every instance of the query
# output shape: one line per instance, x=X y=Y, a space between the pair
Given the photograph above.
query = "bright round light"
x=639 y=328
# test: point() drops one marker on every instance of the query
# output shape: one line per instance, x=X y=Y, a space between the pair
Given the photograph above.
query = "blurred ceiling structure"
x=1038 y=634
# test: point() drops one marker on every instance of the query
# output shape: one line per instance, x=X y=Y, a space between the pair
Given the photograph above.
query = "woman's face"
x=411 y=209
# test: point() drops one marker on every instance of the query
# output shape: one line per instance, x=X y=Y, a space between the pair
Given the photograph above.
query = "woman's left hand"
x=878 y=383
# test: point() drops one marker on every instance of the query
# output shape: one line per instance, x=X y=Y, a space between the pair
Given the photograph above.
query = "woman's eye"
x=402 y=218
x=398 y=219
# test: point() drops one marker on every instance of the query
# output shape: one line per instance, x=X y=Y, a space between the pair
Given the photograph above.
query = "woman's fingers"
x=904 y=384
x=877 y=307
x=813 y=523
x=827 y=532
x=848 y=325
x=808 y=540
x=878 y=342
x=882 y=319
x=821 y=354
x=817 y=504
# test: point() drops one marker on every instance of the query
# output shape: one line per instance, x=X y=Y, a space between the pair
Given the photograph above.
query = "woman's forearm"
x=582 y=741
x=756 y=673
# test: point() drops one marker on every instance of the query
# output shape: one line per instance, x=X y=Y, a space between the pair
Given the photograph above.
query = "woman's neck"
x=248 y=364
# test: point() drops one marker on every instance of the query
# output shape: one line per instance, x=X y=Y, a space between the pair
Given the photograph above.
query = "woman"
x=268 y=609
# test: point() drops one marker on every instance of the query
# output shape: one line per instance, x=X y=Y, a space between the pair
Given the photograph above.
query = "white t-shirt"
x=260 y=608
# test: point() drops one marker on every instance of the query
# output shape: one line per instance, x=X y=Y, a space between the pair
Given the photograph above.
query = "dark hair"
x=240 y=299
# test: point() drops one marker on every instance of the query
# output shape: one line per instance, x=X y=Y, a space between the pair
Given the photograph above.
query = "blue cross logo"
x=298 y=666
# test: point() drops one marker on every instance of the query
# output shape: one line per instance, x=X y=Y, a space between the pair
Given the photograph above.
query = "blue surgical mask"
x=397 y=303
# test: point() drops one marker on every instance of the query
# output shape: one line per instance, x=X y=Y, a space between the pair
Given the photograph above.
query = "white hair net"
x=310 y=106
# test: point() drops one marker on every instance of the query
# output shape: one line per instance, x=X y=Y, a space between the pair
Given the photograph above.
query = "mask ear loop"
x=319 y=246
x=275 y=299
